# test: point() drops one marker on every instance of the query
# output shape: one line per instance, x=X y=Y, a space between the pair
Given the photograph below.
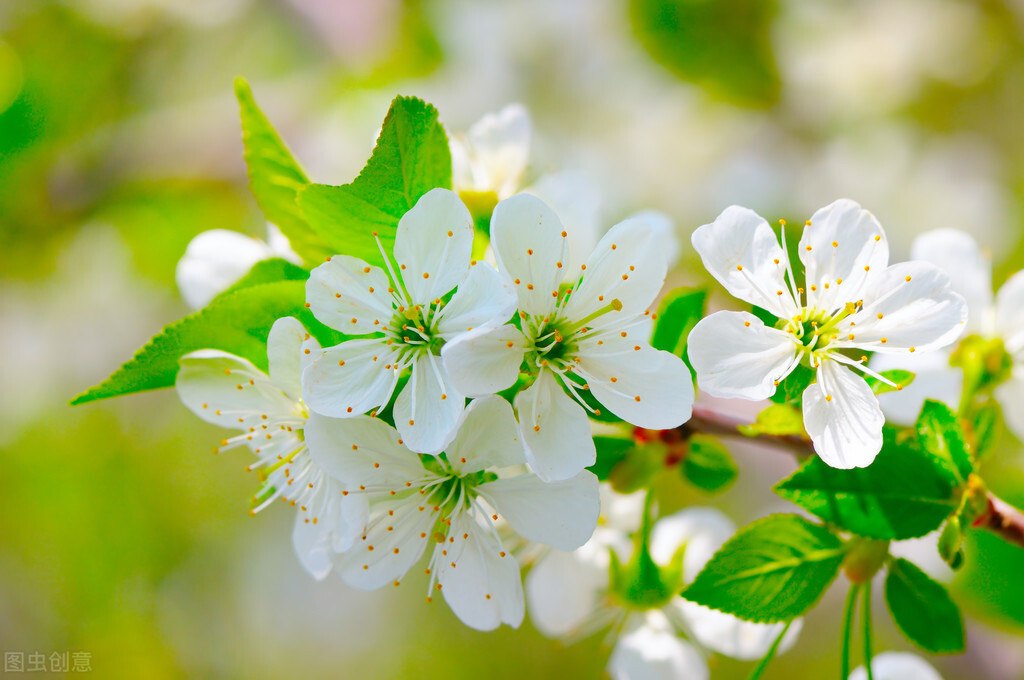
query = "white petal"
x=665 y=233
x=312 y=546
x=843 y=417
x=643 y=386
x=285 y=351
x=627 y=265
x=563 y=591
x=969 y=270
x=216 y=387
x=1010 y=313
x=488 y=437
x=385 y=554
x=213 y=261
x=844 y=244
x=428 y=407
x=934 y=378
x=655 y=652
x=361 y=451
x=1011 y=397
x=702 y=531
x=349 y=295
x=555 y=430
x=486 y=360
x=483 y=587
x=560 y=514
x=433 y=244
x=500 y=144
x=918 y=310
x=897 y=666
x=527 y=239
x=484 y=298
x=737 y=356
x=733 y=637
x=623 y=512
x=577 y=203
x=351 y=378
x=740 y=238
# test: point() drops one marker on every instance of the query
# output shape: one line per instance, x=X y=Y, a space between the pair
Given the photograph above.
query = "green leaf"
x=772 y=570
x=237 y=323
x=708 y=465
x=610 y=451
x=410 y=159
x=791 y=390
x=904 y=493
x=678 y=313
x=940 y=434
x=724 y=46
x=900 y=377
x=923 y=609
x=275 y=178
x=986 y=427
x=778 y=420
x=268 y=271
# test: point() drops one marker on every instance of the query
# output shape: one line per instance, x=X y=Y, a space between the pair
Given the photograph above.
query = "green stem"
x=866 y=617
x=771 y=653
x=851 y=604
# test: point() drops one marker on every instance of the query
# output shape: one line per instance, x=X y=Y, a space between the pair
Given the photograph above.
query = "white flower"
x=227 y=390
x=451 y=503
x=991 y=317
x=897 y=666
x=593 y=336
x=852 y=301
x=492 y=156
x=410 y=319
x=566 y=594
x=216 y=259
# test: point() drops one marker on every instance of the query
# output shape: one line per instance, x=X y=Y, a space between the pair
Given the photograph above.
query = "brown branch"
x=1001 y=518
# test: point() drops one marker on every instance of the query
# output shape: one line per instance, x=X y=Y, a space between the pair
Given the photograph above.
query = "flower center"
x=814 y=329
x=414 y=330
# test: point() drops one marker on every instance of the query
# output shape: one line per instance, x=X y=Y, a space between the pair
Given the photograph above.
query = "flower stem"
x=851 y=604
x=866 y=617
x=771 y=653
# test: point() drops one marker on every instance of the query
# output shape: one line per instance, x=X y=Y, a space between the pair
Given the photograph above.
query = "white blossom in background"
x=991 y=317
x=451 y=504
x=492 y=156
x=851 y=300
x=216 y=259
x=897 y=666
x=567 y=595
x=230 y=391
x=406 y=321
x=591 y=337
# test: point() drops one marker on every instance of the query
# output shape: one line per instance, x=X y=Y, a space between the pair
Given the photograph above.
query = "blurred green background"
x=121 y=536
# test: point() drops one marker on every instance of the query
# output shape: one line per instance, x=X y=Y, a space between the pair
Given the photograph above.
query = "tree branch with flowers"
x=431 y=369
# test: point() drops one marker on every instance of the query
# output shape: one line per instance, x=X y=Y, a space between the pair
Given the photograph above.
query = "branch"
x=1001 y=518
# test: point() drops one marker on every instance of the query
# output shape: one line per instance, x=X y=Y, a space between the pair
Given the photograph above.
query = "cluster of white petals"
x=992 y=317
x=491 y=157
x=230 y=391
x=850 y=300
x=592 y=336
x=567 y=594
x=897 y=666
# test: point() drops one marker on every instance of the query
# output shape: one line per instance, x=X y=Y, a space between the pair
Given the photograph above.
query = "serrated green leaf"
x=678 y=313
x=778 y=420
x=275 y=178
x=411 y=158
x=708 y=465
x=940 y=434
x=237 y=323
x=772 y=570
x=610 y=451
x=900 y=377
x=922 y=609
x=268 y=271
x=904 y=493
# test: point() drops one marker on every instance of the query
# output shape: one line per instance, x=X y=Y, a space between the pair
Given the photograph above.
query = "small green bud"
x=864 y=559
